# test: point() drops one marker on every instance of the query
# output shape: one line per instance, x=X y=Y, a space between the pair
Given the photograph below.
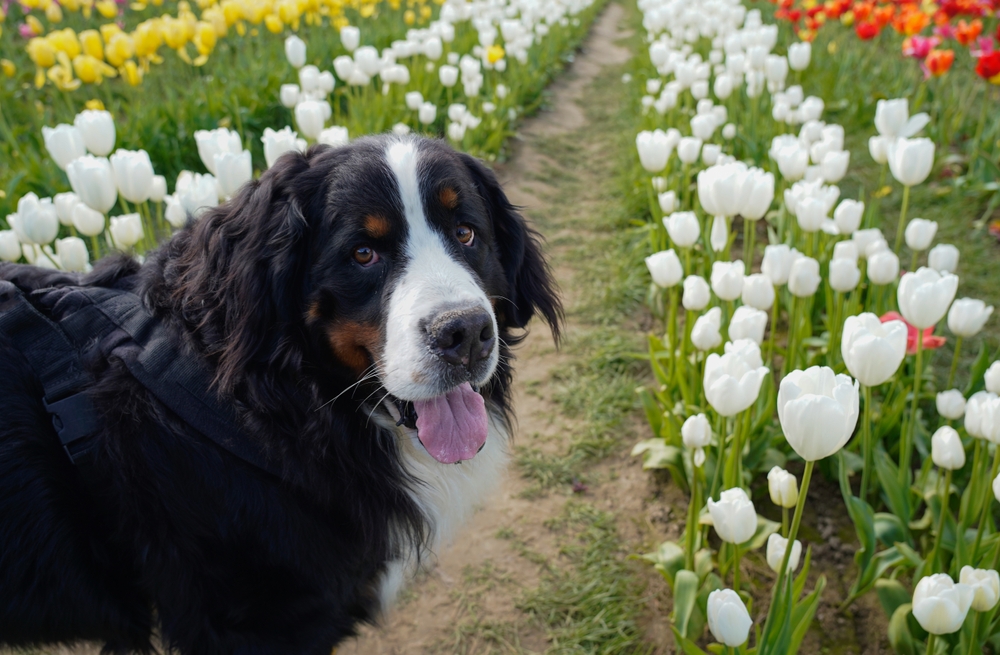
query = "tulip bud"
x=804 y=278
x=920 y=233
x=946 y=449
x=939 y=605
x=777 y=263
x=277 y=143
x=911 y=160
x=413 y=100
x=967 y=316
x=427 y=113
x=848 y=216
x=950 y=404
x=728 y=131
x=883 y=267
x=776 y=546
x=88 y=222
x=873 y=350
x=783 y=487
x=748 y=323
x=310 y=116
x=985 y=585
x=233 y=171
x=689 y=149
x=133 y=174
x=799 y=55
x=665 y=268
x=72 y=253
x=696 y=293
x=732 y=380
x=705 y=333
x=727 y=279
x=924 y=296
x=654 y=150
x=93 y=182
x=992 y=378
x=295 y=51
x=943 y=258
x=350 y=37
x=126 y=230
x=289 y=95
x=98 y=130
x=64 y=143
x=733 y=516
x=448 y=75
x=818 y=411
x=844 y=274
x=697 y=435
x=728 y=618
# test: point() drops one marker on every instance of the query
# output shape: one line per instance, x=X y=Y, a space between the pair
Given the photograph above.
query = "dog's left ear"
x=529 y=279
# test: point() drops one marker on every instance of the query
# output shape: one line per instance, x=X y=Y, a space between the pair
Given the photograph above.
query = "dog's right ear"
x=240 y=277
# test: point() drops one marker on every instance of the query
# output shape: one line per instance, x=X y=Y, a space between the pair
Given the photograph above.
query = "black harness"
x=57 y=329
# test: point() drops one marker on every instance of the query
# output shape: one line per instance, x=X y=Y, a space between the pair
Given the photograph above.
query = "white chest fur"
x=447 y=494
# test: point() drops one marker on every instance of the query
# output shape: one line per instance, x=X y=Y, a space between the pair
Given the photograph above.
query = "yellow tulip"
x=120 y=48
x=34 y=24
x=147 y=38
x=204 y=38
x=3 y=15
x=65 y=40
x=367 y=10
x=94 y=104
x=85 y=7
x=8 y=67
x=494 y=53
x=92 y=43
x=54 y=13
x=131 y=73
x=61 y=74
x=107 y=8
x=108 y=31
x=340 y=22
x=232 y=12
x=425 y=12
x=175 y=33
x=70 y=5
x=214 y=16
x=274 y=24
x=395 y=5
x=42 y=52
x=92 y=70
x=409 y=17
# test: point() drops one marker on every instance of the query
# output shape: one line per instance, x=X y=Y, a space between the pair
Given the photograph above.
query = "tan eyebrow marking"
x=376 y=226
x=448 y=197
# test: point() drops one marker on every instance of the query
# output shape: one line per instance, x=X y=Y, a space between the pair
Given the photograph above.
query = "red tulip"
x=988 y=66
x=931 y=341
x=866 y=31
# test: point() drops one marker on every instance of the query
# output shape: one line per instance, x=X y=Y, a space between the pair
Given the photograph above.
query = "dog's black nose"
x=462 y=336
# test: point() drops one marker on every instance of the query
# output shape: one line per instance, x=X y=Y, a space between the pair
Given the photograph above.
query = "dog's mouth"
x=452 y=427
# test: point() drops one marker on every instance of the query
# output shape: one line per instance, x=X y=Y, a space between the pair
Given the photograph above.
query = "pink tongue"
x=452 y=427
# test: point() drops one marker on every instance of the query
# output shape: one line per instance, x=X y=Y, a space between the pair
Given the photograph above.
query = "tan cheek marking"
x=376 y=226
x=313 y=313
x=353 y=343
x=448 y=197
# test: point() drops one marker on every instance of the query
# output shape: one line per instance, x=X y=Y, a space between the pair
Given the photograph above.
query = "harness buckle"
x=74 y=419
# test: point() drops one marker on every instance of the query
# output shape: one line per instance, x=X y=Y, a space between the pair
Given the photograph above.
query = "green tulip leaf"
x=668 y=559
x=685 y=596
x=900 y=639
x=978 y=371
x=654 y=415
x=897 y=495
x=765 y=528
x=892 y=594
x=803 y=614
x=888 y=528
x=687 y=646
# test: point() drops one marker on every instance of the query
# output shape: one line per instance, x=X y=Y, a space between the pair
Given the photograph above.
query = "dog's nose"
x=462 y=336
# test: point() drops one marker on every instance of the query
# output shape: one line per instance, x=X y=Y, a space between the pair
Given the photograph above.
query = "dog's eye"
x=464 y=234
x=365 y=255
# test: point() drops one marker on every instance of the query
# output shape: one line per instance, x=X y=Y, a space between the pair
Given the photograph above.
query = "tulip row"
x=842 y=368
x=536 y=36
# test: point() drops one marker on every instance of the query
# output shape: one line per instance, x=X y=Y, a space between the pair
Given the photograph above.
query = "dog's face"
x=404 y=265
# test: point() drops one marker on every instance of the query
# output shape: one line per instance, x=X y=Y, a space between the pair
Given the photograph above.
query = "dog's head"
x=395 y=265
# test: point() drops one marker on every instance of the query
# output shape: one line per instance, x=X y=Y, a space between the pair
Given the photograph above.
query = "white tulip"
x=175 y=213
x=748 y=323
x=920 y=233
x=844 y=274
x=718 y=238
x=233 y=171
x=126 y=230
x=848 y=216
x=665 y=268
x=911 y=160
x=35 y=222
x=776 y=546
x=728 y=131
x=758 y=292
x=883 y=267
x=727 y=279
x=804 y=278
x=88 y=222
x=10 y=246
x=711 y=154
x=728 y=618
x=64 y=203
x=196 y=192
x=982 y=416
x=946 y=449
x=799 y=55
x=350 y=37
x=783 y=487
x=873 y=350
x=654 y=150
x=967 y=316
x=992 y=378
x=924 y=296
x=64 y=143
x=892 y=119
x=427 y=113
x=133 y=174
x=448 y=75
x=878 y=148
x=158 y=189
x=697 y=435
x=668 y=204
x=733 y=516
x=810 y=213
x=344 y=67
x=939 y=605
x=696 y=293
x=689 y=149
x=996 y=487
x=950 y=404
x=777 y=263
x=295 y=51
x=834 y=165
x=98 y=130
x=732 y=380
x=943 y=258
x=212 y=142
x=289 y=95
x=335 y=136
x=818 y=411
x=705 y=334
x=413 y=100
x=846 y=250
x=277 y=143
x=985 y=585
x=310 y=116
x=93 y=182
x=72 y=253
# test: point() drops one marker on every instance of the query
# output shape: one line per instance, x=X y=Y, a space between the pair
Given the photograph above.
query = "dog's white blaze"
x=432 y=278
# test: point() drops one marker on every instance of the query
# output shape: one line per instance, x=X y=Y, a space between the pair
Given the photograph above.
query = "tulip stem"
x=913 y=260
x=790 y=342
x=984 y=515
x=866 y=443
x=784 y=522
x=954 y=363
x=749 y=236
x=774 y=328
x=672 y=325
x=906 y=443
x=780 y=584
x=736 y=568
x=930 y=643
x=902 y=219
x=720 y=433
x=692 y=526
x=932 y=562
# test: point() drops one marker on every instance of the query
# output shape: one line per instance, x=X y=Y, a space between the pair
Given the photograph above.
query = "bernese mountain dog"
x=355 y=307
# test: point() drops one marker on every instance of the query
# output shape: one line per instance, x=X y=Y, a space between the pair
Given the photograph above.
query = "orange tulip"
x=939 y=62
x=967 y=33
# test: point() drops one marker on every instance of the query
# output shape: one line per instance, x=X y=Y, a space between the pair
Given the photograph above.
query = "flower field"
x=801 y=317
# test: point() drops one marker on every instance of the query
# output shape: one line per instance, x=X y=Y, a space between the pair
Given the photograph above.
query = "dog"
x=355 y=309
